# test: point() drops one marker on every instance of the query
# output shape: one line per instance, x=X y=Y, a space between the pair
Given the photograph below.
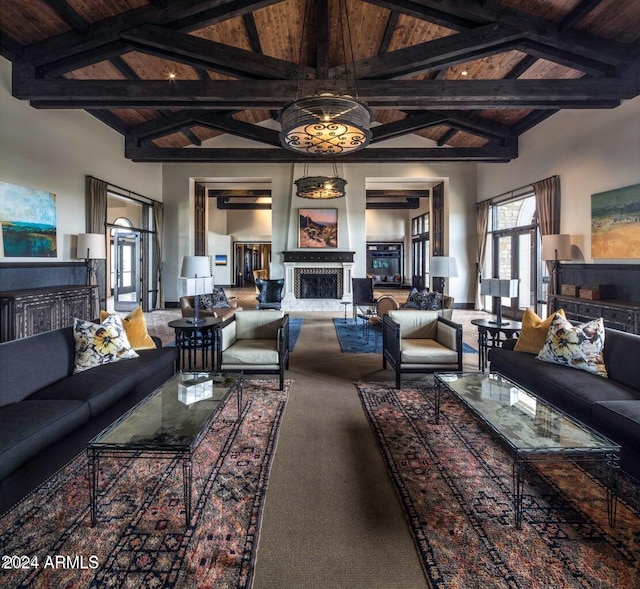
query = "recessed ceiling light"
x=464 y=73
x=172 y=76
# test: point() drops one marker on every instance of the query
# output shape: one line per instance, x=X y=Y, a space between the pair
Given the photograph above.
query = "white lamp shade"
x=556 y=247
x=443 y=267
x=500 y=287
x=195 y=267
x=194 y=286
x=91 y=246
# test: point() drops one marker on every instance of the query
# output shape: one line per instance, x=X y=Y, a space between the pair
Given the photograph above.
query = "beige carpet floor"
x=332 y=517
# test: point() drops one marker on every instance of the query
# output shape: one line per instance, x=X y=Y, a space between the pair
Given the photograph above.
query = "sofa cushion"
x=28 y=427
x=618 y=348
x=576 y=346
x=534 y=331
x=518 y=366
x=252 y=352
x=135 y=327
x=31 y=363
x=426 y=351
x=100 y=343
x=258 y=324
x=576 y=391
x=423 y=300
x=416 y=324
x=619 y=420
x=100 y=387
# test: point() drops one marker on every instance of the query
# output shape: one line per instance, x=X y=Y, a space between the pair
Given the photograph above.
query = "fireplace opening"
x=318 y=286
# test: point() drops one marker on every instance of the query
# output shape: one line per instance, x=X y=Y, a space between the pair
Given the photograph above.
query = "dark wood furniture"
x=31 y=311
x=489 y=336
x=622 y=315
x=191 y=337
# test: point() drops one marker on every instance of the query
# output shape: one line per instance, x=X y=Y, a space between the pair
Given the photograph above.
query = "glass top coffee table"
x=532 y=429
x=168 y=423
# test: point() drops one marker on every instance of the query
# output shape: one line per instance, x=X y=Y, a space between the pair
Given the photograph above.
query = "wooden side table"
x=191 y=337
x=489 y=336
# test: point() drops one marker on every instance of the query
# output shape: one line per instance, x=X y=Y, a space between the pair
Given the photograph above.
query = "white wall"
x=591 y=151
x=460 y=199
x=53 y=150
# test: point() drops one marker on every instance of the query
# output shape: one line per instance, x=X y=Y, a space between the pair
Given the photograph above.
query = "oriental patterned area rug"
x=140 y=539
x=454 y=480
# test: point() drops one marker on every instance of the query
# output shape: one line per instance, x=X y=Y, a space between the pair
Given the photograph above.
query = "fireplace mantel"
x=318 y=256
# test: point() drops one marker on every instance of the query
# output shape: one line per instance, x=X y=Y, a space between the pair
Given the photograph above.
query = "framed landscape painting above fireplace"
x=318 y=228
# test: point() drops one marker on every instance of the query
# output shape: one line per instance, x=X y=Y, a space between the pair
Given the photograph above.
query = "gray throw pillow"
x=216 y=300
x=424 y=300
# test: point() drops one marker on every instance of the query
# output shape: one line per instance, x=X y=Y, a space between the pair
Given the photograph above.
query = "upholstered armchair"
x=253 y=342
x=419 y=342
x=269 y=293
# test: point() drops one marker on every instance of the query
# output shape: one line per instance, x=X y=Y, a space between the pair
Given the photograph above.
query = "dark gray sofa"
x=609 y=405
x=48 y=414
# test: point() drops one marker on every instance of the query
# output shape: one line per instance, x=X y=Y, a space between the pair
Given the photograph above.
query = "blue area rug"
x=352 y=338
x=295 y=325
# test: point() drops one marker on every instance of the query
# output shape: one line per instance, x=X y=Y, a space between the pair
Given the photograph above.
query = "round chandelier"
x=325 y=125
x=320 y=187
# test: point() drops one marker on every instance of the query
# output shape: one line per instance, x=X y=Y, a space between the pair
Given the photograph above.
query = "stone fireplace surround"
x=296 y=263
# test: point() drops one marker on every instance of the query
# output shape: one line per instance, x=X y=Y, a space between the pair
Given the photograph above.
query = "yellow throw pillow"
x=534 y=331
x=136 y=329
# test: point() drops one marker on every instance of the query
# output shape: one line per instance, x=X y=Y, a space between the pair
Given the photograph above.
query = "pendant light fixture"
x=327 y=124
x=320 y=187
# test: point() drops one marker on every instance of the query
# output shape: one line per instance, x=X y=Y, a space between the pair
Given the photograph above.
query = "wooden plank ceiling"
x=468 y=75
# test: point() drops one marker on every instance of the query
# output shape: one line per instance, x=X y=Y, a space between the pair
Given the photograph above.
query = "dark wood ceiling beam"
x=237 y=193
x=10 y=48
x=80 y=60
x=447 y=137
x=406 y=203
x=399 y=94
x=477 y=125
x=191 y=136
x=124 y=68
x=537 y=28
x=397 y=193
x=488 y=153
x=521 y=67
x=531 y=120
x=68 y=14
x=240 y=128
x=409 y=124
x=578 y=13
x=388 y=32
x=583 y=64
x=112 y=120
x=209 y=54
x=434 y=54
x=184 y=16
x=418 y=10
x=252 y=32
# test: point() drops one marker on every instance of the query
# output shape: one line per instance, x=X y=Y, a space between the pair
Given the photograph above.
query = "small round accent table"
x=489 y=336
x=191 y=337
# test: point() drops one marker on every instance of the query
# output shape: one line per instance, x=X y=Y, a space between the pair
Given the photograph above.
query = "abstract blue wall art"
x=27 y=222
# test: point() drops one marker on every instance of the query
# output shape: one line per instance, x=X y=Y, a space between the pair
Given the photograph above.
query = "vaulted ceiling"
x=468 y=75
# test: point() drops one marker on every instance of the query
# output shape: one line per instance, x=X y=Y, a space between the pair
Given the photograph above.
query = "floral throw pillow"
x=100 y=343
x=423 y=300
x=216 y=300
x=577 y=346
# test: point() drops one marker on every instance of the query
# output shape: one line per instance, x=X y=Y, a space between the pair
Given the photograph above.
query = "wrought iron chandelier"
x=320 y=187
x=327 y=124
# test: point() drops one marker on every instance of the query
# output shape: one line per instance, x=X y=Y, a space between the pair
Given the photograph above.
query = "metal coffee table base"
x=185 y=454
x=522 y=457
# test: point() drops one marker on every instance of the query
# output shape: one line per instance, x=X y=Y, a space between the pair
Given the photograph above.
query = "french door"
x=126 y=270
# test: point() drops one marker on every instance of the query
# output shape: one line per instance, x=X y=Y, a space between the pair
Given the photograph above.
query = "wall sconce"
x=499 y=288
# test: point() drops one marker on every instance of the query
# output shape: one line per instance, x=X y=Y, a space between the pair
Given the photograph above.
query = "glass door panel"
x=126 y=269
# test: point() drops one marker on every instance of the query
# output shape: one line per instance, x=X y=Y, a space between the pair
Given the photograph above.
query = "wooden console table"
x=31 y=311
x=621 y=315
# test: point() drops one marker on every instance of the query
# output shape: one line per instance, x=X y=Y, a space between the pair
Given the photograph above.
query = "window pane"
x=515 y=213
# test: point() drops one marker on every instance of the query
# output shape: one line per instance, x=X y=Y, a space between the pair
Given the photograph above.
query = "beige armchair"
x=253 y=342
x=419 y=342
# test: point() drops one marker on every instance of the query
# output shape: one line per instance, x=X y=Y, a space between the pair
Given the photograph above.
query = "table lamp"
x=556 y=248
x=498 y=288
x=195 y=272
x=443 y=267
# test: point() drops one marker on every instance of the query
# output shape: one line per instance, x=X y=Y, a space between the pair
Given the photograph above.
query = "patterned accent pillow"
x=135 y=327
x=579 y=346
x=216 y=300
x=534 y=331
x=100 y=343
x=423 y=300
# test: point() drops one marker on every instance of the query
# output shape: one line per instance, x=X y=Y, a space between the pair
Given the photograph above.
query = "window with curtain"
x=513 y=251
